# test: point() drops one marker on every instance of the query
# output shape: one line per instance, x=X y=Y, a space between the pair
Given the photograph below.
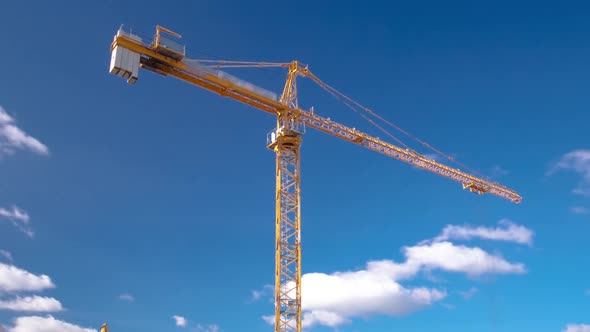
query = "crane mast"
x=165 y=56
x=286 y=142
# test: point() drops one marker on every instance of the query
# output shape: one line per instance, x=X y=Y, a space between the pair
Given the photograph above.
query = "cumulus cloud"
x=577 y=161
x=207 y=328
x=44 y=324
x=13 y=279
x=326 y=318
x=180 y=321
x=508 y=231
x=31 y=304
x=332 y=299
x=6 y=254
x=126 y=297
x=12 y=137
x=577 y=328
x=472 y=261
x=335 y=299
x=19 y=218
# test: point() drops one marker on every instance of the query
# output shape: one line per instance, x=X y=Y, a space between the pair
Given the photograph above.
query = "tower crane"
x=166 y=56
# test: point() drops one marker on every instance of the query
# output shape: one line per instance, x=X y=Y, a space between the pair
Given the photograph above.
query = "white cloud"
x=180 y=321
x=335 y=299
x=16 y=213
x=44 y=324
x=257 y=294
x=269 y=319
x=19 y=218
x=579 y=162
x=449 y=257
x=207 y=328
x=579 y=210
x=126 y=297
x=469 y=293
x=6 y=254
x=325 y=318
x=510 y=232
x=14 y=279
x=12 y=137
x=31 y=304
x=577 y=328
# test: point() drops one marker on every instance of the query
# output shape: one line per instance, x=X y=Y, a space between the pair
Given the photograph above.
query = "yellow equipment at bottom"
x=104 y=328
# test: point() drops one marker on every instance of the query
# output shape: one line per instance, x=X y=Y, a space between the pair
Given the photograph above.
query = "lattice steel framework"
x=288 y=211
x=288 y=235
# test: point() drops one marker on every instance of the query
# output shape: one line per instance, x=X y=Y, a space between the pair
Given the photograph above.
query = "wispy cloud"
x=19 y=218
x=6 y=254
x=31 y=304
x=126 y=297
x=337 y=298
x=508 y=231
x=498 y=171
x=180 y=321
x=577 y=161
x=577 y=328
x=207 y=328
x=469 y=293
x=13 y=138
x=14 y=279
x=257 y=294
x=44 y=324
x=579 y=210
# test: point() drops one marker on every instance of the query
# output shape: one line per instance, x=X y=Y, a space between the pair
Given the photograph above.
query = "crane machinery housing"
x=166 y=56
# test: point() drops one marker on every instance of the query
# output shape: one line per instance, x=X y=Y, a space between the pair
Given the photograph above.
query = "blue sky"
x=135 y=204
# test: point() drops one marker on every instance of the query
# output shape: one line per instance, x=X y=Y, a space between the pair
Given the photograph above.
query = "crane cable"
x=334 y=91
x=370 y=120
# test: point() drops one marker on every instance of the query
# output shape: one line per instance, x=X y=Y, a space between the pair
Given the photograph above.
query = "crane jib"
x=232 y=87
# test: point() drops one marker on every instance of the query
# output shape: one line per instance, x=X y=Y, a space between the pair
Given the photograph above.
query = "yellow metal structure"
x=286 y=141
x=104 y=328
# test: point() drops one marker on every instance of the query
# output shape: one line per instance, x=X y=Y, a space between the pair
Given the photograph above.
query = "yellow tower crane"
x=165 y=55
